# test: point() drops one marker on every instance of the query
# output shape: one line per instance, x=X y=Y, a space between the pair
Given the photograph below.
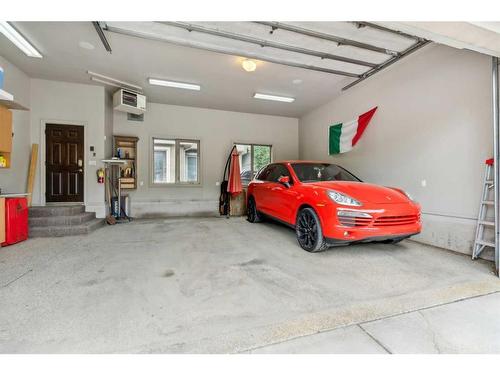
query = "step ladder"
x=487 y=205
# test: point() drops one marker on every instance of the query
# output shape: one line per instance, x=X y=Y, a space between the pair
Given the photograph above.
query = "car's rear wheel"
x=253 y=215
x=309 y=232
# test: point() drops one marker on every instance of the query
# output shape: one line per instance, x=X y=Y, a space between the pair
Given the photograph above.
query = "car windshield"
x=314 y=172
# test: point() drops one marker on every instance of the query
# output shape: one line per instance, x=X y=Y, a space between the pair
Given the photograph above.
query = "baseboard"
x=174 y=208
x=451 y=233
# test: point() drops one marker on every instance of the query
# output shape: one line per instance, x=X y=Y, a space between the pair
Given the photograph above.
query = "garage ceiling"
x=482 y=37
x=312 y=67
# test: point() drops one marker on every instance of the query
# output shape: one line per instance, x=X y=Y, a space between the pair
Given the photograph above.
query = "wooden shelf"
x=128 y=171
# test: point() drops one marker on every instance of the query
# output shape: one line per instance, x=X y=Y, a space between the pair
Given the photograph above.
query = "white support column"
x=496 y=156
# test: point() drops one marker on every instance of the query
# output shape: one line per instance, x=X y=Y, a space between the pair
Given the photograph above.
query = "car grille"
x=386 y=221
x=354 y=221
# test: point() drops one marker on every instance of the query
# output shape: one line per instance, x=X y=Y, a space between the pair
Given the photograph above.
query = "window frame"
x=177 y=170
x=252 y=166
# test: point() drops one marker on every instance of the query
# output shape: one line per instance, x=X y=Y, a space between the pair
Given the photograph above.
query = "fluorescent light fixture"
x=104 y=82
x=16 y=38
x=178 y=85
x=285 y=99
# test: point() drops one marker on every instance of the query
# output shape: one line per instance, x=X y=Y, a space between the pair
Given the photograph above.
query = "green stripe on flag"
x=334 y=139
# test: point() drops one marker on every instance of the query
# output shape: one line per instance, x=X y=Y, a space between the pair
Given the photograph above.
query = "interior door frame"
x=42 y=155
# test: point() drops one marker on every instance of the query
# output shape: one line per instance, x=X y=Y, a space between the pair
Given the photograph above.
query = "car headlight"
x=342 y=198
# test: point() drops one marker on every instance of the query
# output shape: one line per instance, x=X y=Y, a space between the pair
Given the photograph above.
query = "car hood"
x=363 y=192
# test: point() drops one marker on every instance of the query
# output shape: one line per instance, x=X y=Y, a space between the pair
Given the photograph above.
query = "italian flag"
x=344 y=136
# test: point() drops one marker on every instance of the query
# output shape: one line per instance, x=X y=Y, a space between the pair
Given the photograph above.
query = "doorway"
x=64 y=150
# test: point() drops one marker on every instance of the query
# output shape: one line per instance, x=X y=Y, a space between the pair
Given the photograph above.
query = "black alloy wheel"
x=253 y=215
x=308 y=229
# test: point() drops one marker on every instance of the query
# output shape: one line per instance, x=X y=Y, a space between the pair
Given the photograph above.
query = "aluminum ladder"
x=482 y=221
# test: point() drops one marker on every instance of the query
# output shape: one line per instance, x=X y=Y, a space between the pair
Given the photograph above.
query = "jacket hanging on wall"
x=225 y=197
x=344 y=136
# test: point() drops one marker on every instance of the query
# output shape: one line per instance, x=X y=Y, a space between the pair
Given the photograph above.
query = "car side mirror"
x=284 y=180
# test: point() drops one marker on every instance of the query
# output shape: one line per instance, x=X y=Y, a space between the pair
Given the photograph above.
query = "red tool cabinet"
x=16 y=220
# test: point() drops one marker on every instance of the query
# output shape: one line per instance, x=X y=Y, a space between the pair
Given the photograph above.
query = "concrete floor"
x=467 y=326
x=214 y=285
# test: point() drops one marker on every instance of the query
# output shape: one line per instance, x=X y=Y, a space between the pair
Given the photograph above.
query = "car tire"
x=309 y=232
x=253 y=216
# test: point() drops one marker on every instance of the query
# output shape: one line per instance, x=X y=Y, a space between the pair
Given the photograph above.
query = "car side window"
x=265 y=172
x=278 y=171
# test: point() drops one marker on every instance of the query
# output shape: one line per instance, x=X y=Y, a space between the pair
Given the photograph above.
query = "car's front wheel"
x=253 y=215
x=309 y=232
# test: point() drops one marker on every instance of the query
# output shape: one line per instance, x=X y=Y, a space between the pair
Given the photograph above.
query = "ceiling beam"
x=266 y=43
x=229 y=51
x=387 y=30
x=324 y=36
x=100 y=32
x=389 y=62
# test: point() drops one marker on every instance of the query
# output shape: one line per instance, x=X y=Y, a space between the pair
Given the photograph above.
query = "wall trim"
x=174 y=208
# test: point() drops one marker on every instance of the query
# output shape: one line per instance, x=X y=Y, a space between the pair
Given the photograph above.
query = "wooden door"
x=64 y=163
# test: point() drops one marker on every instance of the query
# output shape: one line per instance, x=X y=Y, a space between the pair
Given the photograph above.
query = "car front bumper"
x=388 y=221
x=337 y=242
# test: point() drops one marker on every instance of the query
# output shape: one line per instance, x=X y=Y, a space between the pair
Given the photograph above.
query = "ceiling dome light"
x=249 y=65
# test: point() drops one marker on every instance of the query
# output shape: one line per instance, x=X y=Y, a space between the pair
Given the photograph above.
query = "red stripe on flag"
x=363 y=121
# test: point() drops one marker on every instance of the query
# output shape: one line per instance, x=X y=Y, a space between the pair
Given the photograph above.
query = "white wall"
x=433 y=123
x=17 y=83
x=108 y=124
x=77 y=104
x=217 y=131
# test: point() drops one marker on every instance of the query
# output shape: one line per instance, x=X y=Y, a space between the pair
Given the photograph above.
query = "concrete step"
x=66 y=230
x=49 y=221
x=56 y=211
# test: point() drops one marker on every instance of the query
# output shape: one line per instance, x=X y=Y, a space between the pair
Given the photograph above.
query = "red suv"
x=328 y=206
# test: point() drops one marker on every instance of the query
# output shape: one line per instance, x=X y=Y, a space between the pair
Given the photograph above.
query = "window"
x=188 y=161
x=175 y=161
x=314 y=172
x=277 y=171
x=252 y=159
x=263 y=175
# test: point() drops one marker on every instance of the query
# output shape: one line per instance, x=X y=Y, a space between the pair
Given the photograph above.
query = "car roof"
x=301 y=162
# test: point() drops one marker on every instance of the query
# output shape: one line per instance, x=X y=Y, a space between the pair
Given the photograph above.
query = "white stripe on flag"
x=349 y=130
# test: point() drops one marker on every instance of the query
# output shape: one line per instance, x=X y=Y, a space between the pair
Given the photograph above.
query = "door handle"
x=80 y=170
